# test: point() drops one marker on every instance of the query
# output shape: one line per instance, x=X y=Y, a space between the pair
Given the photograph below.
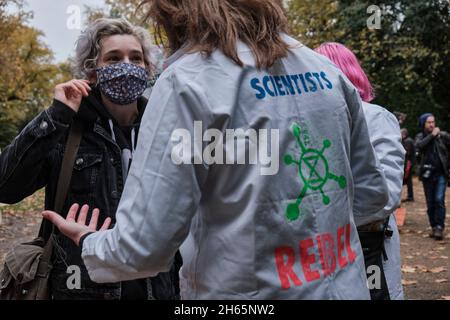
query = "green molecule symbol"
x=314 y=172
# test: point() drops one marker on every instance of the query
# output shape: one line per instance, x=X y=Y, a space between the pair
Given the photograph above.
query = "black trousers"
x=372 y=243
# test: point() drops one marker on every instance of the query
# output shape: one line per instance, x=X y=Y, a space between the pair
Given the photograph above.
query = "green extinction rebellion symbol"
x=314 y=172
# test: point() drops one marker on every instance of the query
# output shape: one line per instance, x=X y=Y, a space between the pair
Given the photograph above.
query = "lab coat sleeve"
x=160 y=197
x=386 y=139
x=369 y=183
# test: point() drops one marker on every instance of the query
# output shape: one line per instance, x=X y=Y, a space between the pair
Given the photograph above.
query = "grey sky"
x=52 y=17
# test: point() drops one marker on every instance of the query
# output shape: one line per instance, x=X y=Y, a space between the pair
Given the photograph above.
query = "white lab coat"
x=231 y=220
x=385 y=137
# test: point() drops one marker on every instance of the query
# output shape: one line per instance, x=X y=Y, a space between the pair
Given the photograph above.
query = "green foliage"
x=128 y=9
x=27 y=73
x=313 y=22
x=407 y=59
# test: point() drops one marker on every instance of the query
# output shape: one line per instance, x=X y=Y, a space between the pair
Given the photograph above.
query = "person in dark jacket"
x=433 y=146
x=410 y=160
x=113 y=59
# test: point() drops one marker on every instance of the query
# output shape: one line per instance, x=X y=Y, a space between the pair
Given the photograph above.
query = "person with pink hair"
x=379 y=236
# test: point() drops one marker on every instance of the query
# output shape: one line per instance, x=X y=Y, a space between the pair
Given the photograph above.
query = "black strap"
x=388 y=233
x=372 y=243
x=65 y=175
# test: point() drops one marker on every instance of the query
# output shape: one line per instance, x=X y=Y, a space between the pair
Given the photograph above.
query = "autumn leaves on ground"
x=425 y=262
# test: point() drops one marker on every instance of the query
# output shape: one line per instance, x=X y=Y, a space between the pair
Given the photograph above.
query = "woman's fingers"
x=94 y=220
x=106 y=224
x=82 y=86
x=73 y=212
x=55 y=218
x=76 y=229
x=83 y=215
x=72 y=91
x=86 y=83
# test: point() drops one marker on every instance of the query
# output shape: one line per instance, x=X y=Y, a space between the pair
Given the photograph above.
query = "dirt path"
x=425 y=262
x=17 y=228
x=20 y=222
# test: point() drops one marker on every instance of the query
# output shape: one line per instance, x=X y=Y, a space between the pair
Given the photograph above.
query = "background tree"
x=127 y=9
x=27 y=72
x=313 y=22
x=407 y=59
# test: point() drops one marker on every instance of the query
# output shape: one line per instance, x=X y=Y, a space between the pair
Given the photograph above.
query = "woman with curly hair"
x=114 y=64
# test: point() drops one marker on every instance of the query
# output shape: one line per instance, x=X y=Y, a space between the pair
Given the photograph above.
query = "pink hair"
x=346 y=60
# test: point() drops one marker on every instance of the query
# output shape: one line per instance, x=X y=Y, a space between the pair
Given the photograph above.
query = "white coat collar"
x=175 y=56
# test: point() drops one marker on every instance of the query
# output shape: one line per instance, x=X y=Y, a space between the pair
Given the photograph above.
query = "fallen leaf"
x=441 y=280
x=438 y=270
x=408 y=269
x=445 y=297
x=408 y=282
x=422 y=268
x=404 y=244
x=409 y=257
x=443 y=257
x=420 y=232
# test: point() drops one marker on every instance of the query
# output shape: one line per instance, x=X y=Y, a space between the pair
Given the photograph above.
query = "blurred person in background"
x=433 y=147
x=410 y=161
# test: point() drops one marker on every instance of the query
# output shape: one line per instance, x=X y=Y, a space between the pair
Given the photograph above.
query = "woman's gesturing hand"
x=70 y=93
x=74 y=228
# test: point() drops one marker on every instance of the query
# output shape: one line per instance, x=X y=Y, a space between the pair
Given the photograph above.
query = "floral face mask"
x=122 y=83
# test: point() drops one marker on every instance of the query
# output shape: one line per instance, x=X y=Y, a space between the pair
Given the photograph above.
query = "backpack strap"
x=65 y=175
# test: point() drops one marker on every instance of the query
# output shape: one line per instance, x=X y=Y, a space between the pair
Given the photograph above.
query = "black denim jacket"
x=33 y=161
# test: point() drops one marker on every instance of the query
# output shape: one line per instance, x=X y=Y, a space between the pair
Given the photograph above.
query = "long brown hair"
x=206 y=25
